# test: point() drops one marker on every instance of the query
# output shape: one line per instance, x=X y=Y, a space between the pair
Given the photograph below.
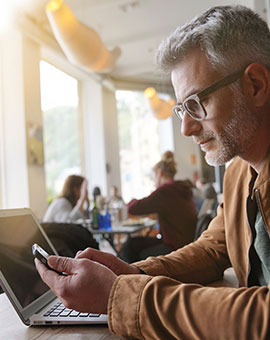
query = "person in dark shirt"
x=176 y=213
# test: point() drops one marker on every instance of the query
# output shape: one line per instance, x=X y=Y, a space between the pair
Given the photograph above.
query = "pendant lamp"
x=160 y=108
x=81 y=44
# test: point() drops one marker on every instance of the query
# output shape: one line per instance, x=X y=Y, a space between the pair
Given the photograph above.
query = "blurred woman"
x=72 y=204
x=177 y=216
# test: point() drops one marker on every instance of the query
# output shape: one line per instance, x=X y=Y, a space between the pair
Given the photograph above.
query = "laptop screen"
x=17 y=234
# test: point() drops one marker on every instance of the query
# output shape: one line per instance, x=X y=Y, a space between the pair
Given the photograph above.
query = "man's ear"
x=257 y=83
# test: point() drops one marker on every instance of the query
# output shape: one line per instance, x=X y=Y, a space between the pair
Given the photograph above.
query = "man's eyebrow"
x=189 y=93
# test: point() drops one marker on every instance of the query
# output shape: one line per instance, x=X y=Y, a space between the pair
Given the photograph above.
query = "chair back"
x=69 y=238
x=203 y=223
x=209 y=204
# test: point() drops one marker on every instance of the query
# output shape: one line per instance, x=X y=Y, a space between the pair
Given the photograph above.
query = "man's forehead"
x=191 y=75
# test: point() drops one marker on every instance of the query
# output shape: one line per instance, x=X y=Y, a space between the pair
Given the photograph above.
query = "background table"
x=128 y=230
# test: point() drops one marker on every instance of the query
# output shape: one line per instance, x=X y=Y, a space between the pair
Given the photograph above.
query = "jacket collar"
x=264 y=174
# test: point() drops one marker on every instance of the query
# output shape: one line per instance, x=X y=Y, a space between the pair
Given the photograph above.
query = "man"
x=219 y=68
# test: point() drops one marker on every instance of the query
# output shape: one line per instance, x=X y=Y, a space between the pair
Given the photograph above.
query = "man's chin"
x=215 y=160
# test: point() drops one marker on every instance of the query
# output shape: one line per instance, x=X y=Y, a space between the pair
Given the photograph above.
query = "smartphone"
x=43 y=256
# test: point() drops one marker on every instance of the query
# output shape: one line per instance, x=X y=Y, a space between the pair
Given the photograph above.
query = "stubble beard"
x=237 y=135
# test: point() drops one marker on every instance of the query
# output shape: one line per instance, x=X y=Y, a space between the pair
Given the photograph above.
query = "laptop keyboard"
x=59 y=310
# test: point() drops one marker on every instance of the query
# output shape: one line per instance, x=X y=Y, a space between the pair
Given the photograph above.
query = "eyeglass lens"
x=194 y=108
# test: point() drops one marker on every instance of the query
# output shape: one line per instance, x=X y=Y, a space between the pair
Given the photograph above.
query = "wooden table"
x=12 y=328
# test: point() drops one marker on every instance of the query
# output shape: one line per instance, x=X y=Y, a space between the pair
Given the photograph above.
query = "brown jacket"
x=170 y=301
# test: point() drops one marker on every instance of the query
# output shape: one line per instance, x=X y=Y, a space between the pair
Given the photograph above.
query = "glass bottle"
x=95 y=215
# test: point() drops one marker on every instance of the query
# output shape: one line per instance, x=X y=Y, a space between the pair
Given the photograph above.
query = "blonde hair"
x=167 y=164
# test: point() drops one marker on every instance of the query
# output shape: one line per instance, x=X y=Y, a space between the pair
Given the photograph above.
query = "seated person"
x=72 y=204
x=114 y=201
x=177 y=216
x=115 y=204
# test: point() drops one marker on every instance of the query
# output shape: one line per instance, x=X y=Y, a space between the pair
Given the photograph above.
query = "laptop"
x=32 y=299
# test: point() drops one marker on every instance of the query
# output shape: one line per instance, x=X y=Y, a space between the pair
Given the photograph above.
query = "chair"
x=69 y=238
x=203 y=223
x=209 y=204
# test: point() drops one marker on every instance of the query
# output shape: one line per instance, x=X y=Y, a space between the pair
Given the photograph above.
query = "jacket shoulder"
x=237 y=164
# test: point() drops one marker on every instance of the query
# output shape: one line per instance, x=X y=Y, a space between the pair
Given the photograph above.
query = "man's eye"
x=192 y=105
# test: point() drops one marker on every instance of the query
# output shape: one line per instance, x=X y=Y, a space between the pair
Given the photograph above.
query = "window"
x=141 y=143
x=59 y=101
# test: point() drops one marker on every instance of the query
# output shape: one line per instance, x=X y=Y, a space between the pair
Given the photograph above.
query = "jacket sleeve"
x=147 y=205
x=161 y=308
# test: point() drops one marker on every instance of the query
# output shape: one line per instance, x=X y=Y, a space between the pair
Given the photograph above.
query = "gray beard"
x=237 y=135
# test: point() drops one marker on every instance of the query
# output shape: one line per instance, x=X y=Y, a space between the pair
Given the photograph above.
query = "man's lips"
x=204 y=142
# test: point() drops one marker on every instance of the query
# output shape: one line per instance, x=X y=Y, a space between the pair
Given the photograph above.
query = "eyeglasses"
x=192 y=104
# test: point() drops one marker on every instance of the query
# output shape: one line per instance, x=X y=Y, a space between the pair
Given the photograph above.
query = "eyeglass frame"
x=180 y=109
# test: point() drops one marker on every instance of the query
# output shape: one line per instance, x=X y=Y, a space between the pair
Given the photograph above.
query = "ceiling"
x=136 y=26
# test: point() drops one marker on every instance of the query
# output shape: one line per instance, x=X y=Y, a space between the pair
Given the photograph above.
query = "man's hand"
x=118 y=266
x=85 y=288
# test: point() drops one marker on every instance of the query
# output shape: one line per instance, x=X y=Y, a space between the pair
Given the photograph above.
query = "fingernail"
x=52 y=260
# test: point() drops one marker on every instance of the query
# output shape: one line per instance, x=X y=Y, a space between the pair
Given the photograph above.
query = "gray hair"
x=231 y=37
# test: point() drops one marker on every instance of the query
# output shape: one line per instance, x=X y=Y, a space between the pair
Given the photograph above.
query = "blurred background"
x=73 y=76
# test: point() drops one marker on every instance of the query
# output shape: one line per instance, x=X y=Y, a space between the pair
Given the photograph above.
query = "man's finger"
x=88 y=253
x=101 y=257
x=78 y=253
x=62 y=264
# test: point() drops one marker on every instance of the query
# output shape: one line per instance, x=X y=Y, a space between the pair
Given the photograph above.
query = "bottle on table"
x=95 y=213
x=104 y=219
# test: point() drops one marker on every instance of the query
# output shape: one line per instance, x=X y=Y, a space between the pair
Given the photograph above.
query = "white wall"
x=100 y=135
x=33 y=114
x=93 y=134
x=111 y=138
x=21 y=185
x=14 y=179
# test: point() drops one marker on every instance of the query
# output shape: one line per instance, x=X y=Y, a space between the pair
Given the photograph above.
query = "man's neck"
x=256 y=154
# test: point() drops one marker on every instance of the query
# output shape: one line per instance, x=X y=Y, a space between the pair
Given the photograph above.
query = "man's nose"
x=190 y=126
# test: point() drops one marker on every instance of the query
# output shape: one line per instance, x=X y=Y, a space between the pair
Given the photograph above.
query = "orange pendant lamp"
x=81 y=44
x=160 y=107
